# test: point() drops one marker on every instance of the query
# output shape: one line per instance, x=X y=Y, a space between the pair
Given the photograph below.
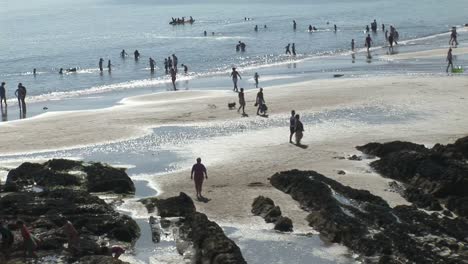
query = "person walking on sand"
x=293 y=49
x=7 y=238
x=29 y=241
x=241 y=101
x=234 y=75
x=292 y=125
x=299 y=130
x=173 y=77
x=352 y=45
x=453 y=37
x=288 y=51
x=260 y=101
x=368 y=42
x=3 y=95
x=151 y=63
x=197 y=174
x=256 y=76
x=101 y=61
x=449 y=59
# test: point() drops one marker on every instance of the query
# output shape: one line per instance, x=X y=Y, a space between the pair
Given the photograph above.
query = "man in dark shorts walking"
x=198 y=171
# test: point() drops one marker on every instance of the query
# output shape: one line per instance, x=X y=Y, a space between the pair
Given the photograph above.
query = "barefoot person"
x=259 y=102
x=234 y=75
x=173 y=77
x=299 y=129
x=198 y=171
x=3 y=95
x=29 y=241
x=368 y=42
x=256 y=76
x=449 y=59
x=241 y=101
x=292 y=125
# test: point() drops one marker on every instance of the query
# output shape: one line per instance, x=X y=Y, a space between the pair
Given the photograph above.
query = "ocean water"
x=52 y=34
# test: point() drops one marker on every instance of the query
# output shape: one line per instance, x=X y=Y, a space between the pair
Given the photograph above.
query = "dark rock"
x=100 y=260
x=102 y=178
x=178 y=206
x=284 y=224
x=341 y=172
x=256 y=184
x=64 y=164
x=369 y=226
x=421 y=199
x=380 y=150
x=265 y=207
x=155 y=229
x=354 y=157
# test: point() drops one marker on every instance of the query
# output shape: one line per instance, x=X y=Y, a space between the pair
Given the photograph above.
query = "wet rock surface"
x=266 y=208
x=62 y=173
x=46 y=210
x=369 y=226
x=433 y=177
x=195 y=236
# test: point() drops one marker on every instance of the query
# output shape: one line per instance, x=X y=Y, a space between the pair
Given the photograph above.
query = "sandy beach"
x=438 y=102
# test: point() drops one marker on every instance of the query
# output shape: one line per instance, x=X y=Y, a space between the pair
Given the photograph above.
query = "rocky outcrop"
x=265 y=207
x=62 y=173
x=434 y=177
x=193 y=232
x=369 y=226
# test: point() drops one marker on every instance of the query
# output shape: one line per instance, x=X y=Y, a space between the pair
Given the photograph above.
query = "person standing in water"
x=368 y=42
x=204 y=33
x=288 y=51
x=169 y=62
x=166 y=65
x=123 y=54
x=234 y=75
x=449 y=59
x=20 y=93
x=3 y=95
x=293 y=48
x=109 y=65
x=260 y=101
x=198 y=174
x=101 y=61
x=256 y=76
x=352 y=45
x=292 y=125
x=453 y=37
x=174 y=61
x=310 y=28
x=383 y=27
x=299 y=130
x=256 y=28
x=294 y=25
x=173 y=77
x=34 y=72
x=185 y=68
x=335 y=28
x=241 y=101
x=151 y=63
x=136 y=54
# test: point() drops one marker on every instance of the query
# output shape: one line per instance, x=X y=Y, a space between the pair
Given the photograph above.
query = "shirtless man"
x=234 y=75
x=198 y=171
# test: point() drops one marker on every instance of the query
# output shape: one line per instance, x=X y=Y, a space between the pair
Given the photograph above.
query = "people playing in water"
x=367 y=28
x=294 y=25
x=293 y=49
x=3 y=95
x=394 y=34
x=20 y=93
x=390 y=40
x=136 y=54
x=109 y=65
x=449 y=60
x=238 y=47
x=123 y=54
x=241 y=46
x=151 y=63
x=169 y=62
x=453 y=37
x=101 y=61
x=166 y=65
x=198 y=174
x=292 y=125
x=173 y=77
x=352 y=45
x=241 y=101
x=185 y=68
x=29 y=240
x=310 y=28
x=368 y=42
x=288 y=51
x=204 y=33
x=256 y=76
x=61 y=71
x=299 y=130
x=259 y=102
x=265 y=26
x=256 y=28
x=386 y=35
x=235 y=74
x=374 y=26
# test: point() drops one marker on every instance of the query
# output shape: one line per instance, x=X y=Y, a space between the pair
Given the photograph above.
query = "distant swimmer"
x=204 y=33
x=242 y=46
x=72 y=70
x=293 y=49
x=310 y=28
x=151 y=63
x=352 y=45
x=256 y=76
x=288 y=51
x=166 y=65
x=368 y=42
x=175 y=60
x=374 y=26
x=238 y=47
x=265 y=26
x=383 y=27
x=123 y=54
x=294 y=25
x=241 y=101
x=169 y=62
x=212 y=33
x=185 y=68
x=109 y=65
x=100 y=64
x=453 y=37
x=386 y=35
x=173 y=77
x=292 y=125
x=449 y=59
x=136 y=54
x=3 y=95
x=34 y=71
x=256 y=28
x=198 y=174
x=335 y=28
x=390 y=39
x=61 y=71
x=367 y=28
x=235 y=74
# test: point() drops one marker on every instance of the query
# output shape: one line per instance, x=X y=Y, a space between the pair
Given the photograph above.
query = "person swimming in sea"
x=310 y=28
x=123 y=54
x=166 y=65
x=3 y=95
x=256 y=28
x=109 y=65
x=294 y=25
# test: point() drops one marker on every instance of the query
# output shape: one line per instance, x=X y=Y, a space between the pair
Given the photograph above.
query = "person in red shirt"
x=198 y=171
x=29 y=241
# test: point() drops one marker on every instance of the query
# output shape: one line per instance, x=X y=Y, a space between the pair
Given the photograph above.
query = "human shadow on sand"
x=302 y=146
x=203 y=199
